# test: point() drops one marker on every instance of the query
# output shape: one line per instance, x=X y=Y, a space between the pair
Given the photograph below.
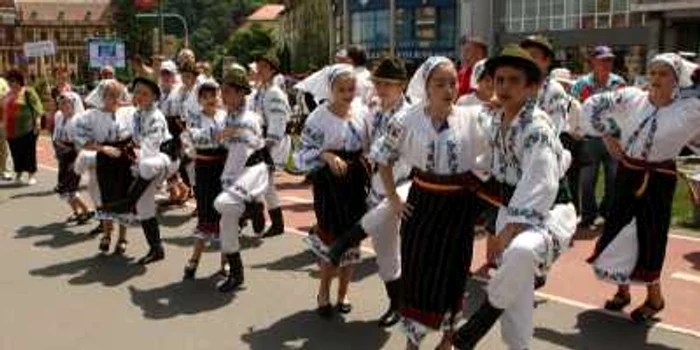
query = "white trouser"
x=272 y=198
x=251 y=184
x=382 y=225
x=85 y=164
x=512 y=287
x=155 y=168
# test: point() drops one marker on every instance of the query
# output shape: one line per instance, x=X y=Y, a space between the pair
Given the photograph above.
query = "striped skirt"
x=436 y=246
x=339 y=202
x=643 y=198
x=209 y=165
x=68 y=179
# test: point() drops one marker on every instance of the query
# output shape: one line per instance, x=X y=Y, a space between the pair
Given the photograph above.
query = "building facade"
x=422 y=27
x=68 y=23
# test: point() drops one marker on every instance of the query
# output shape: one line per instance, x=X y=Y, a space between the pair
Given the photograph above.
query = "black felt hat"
x=271 y=59
x=391 y=70
x=515 y=56
x=150 y=83
x=238 y=80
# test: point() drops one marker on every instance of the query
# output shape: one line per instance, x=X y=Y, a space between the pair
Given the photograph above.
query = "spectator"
x=106 y=72
x=474 y=49
x=4 y=175
x=594 y=153
x=21 y=111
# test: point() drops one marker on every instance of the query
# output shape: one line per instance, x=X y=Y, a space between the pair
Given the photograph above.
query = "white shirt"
x=170 y=103
x=100 y=127
x=64 y=128
x=457 y=147
x=271 y=103
x=242 y=146
x=325 y=131
x=202 y=129
x=645 y=131
x=150 y=131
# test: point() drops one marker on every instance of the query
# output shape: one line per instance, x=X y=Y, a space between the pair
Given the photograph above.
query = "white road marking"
x=688 y=277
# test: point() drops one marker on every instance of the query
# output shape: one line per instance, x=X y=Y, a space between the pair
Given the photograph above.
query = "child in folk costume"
x=101 y=132
x=334 y=140
x=483 y=85
x=187 y=101
x=203 y=128
x=389 y=79
x=70 y=107
x=537 y=220
x=271 y=103
x=443 y=144
x=645 y=131
x=172 y=104
x=153 y=160
x=246 y=174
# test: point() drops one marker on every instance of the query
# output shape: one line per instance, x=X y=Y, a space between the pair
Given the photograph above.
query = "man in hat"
x=271 y=103
x=535 y=221
x=474 y=49
x=246 y=173
x=554 y=100
x=389 y=80
x=594 y=153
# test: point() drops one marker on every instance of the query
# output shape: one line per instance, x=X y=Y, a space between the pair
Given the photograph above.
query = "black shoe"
x=391 y=316
x=190 y=269
x=235 y=278
x=343 y=308
x=154 y=255
x=325 y=312
x=348 y=240
x=476 y=328
x=120 y=249
x=277 y=225
x=83 y=218
x=540 y=281
x=104 y=244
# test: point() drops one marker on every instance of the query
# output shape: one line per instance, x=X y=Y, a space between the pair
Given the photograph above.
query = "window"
x=88 y=16
x=545 y=15
x=61 y=16
x=33 y=16
x=370 y=28
x=426 y=31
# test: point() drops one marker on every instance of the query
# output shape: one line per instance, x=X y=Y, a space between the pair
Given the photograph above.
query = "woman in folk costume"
x=104 y=132
x=334 y=140
x=152 y=161
x=203 y=128
x=482 y=85
x=70 y=107
x=246 y=175
x=271 y=103
x=536 y=220
x=444 y=145
x=172 y=104
x=389 y=79
x=645 y=130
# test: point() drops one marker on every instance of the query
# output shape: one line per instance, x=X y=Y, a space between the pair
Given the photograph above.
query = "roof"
x=64 y=10
x=267 y=13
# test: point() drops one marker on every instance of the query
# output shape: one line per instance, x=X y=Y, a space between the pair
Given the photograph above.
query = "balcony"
x=664 y=5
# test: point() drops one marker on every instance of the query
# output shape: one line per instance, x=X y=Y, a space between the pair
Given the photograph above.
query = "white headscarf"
x=95 y=97
x=320 y=83
x=417 y=87
x=682 y=68
x=75 y=102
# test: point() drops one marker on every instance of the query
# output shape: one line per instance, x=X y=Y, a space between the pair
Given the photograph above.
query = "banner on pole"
x=104 y=52
x=39 y=49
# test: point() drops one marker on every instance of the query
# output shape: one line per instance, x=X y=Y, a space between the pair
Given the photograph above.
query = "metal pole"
x=183 y=21
x=346 y=24
x=392 y=27
x=331 y=30
x=161 y=26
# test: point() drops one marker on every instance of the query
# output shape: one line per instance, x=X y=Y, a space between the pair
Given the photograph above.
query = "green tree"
x=136 y=34
x=247 y=43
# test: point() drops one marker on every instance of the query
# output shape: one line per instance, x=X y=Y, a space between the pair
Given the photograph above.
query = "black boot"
x=152 y=233
x=476 y=328
x=257 y=217
x=137 y=188
x=235 y=276
x=391 y=316
x=341 y=245
x=277 y=223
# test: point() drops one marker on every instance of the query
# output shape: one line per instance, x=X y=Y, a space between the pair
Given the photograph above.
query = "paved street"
x=58 y=293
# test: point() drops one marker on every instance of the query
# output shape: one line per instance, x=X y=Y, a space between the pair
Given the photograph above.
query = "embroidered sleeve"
x=82 y=131
x=308 y=157
x=537 y=189
x=277 y=113
x=198 y=135
x=602 y=112
x=153 y=134
x=386 y=150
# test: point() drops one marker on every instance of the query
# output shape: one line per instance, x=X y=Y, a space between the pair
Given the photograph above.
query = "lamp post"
x=169 y=15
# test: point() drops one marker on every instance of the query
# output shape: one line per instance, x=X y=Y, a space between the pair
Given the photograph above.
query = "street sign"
x=104 y=52
x=39 y=49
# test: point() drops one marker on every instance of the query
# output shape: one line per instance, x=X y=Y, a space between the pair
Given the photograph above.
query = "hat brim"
x=149 y=83
x=530 y=68
x=532 y=43
x=274 y=65
x=236 y=85
x=605 y=56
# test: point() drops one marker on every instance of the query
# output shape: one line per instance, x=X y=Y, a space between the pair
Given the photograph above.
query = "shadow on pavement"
x=306 y=261
x=34 y=194
x=174 y=220
x=305 y=330
x=180 y=298
x=693 y=258
x=600 y=331
x=246 y=242
x=108 y=270
x=61 y=235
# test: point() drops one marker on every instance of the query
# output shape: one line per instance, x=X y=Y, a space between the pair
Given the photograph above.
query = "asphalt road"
x=56 y=292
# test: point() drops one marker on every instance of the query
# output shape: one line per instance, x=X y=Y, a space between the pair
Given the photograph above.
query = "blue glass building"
x=423 y=27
